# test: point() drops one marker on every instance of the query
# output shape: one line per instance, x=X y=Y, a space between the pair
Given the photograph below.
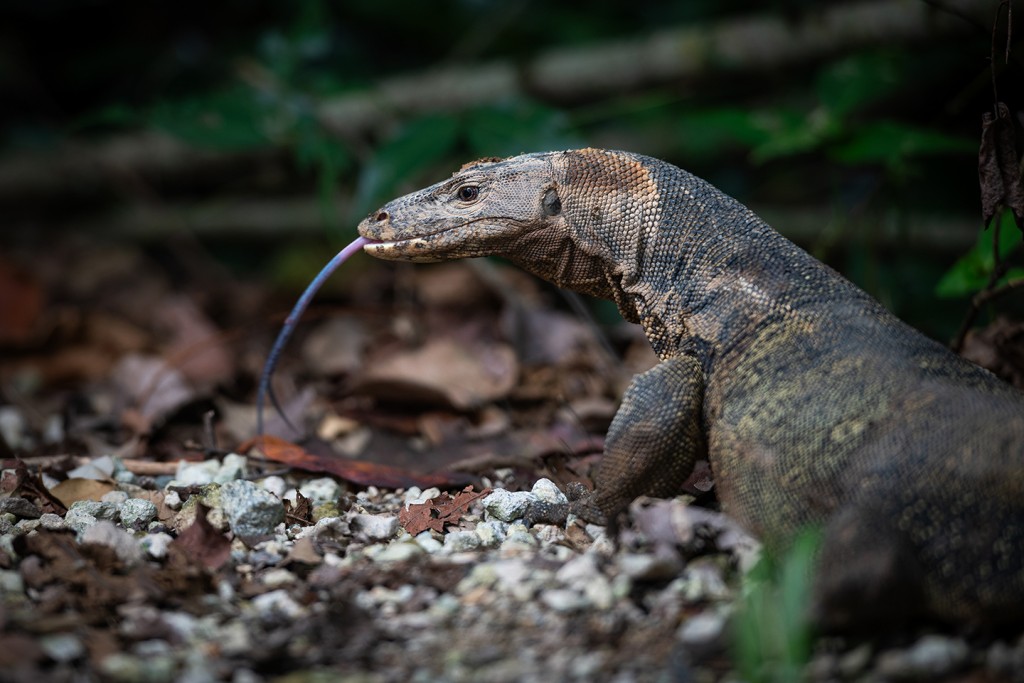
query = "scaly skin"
x=812 y=403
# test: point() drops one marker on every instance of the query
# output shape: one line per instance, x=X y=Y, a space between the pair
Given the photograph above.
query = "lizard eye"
x=468 y=193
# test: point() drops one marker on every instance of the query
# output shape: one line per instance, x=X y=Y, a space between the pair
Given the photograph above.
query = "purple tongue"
x=289 y=326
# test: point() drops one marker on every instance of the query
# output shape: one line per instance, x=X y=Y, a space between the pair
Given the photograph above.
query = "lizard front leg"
x=654 y=441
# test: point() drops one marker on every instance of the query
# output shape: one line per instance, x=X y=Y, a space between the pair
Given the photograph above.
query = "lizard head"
x=485 y=209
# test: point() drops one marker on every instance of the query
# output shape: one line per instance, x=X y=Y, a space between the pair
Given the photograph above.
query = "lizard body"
x=813 y=404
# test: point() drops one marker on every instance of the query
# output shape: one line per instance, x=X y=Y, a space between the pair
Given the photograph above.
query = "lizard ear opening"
x=552 y=204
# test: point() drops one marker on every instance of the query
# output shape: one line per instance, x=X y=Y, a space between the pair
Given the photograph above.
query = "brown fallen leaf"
x=355 y=471
x=999 y=166
x=442 y=372
x=437 y=512
x=204 y=544
x=73 y=490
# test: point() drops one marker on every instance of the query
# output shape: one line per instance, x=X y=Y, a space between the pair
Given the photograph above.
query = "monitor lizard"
x=813 y=404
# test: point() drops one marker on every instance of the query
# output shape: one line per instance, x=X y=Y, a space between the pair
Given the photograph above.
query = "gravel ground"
x=217 y=575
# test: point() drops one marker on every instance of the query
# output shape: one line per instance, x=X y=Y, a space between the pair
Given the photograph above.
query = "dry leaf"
x=443 y=372
x=999 y=166
x=437 y=512
x=72 y=490
x=204 y=544
x=356 y=471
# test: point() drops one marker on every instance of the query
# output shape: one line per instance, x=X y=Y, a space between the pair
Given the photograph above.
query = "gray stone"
x=19 y=507
x=702 y=631
x=491 y=533
x=52 y=522
x=930 y=657
x=373 y=527
x=11 y=582
x=399 y=551
x=278 y=604
x=137 y=513
x=231 y=468
x=104 y=511
x=548 y=492
x=105 y=533
x=197 y=473
x=564 y=600
x=249 y=509
x=114 y=497
x=508 y=505
x=461 y=541
x=275 y=485
x=12 y=427
x=156 y=545
x=99 y=469
x=321 y=490
x=62 y=647
x=648 y=567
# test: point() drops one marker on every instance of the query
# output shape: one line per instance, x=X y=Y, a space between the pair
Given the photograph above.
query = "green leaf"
x=859 y=80
x=892 y=143
x=790 y=132
x=707 y=133
x=972 y=271
x=227 y=120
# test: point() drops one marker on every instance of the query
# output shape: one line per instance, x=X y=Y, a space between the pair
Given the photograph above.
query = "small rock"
x=703 y=631
x=564 y=600
x=930 y=657
x=19 y=507
x=578 y=571
x=104 y=511
x=425 y=540
x=491 y=533
x=278 y=604
x=249 y=509
x=648 y=567
x=26 y=525
x=197 y=473
x=400 y=551
x=231 y=467
x=702 y=580
x=137 y=513
x=507 y=505
x=62 y=647
x=99 y=469
x=275 y=485
x=852 y=663
x=461 y=541
x=548 y=492
x=518 y=535
x=52 y=522
x=156 y=545
x=277 y=577
x=105 y=533
x=374 y=527
x=12 y=427
x=322 y=490
x=172 y=499
x=11 y=582
x=114 y=497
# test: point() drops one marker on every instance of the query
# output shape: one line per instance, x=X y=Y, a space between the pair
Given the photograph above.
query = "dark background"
x=139 y=123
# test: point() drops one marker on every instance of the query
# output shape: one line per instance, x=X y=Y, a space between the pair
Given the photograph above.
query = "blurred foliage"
x=878 y=134
x=773 y=636
x=975 y=269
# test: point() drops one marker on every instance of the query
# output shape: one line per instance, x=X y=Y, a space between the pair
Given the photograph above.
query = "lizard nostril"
x=382 y=216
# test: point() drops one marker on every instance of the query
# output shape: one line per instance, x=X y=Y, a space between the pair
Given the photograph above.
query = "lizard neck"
x=688 y=262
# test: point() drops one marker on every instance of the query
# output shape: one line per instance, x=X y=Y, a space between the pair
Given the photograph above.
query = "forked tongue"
x=290 y=322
